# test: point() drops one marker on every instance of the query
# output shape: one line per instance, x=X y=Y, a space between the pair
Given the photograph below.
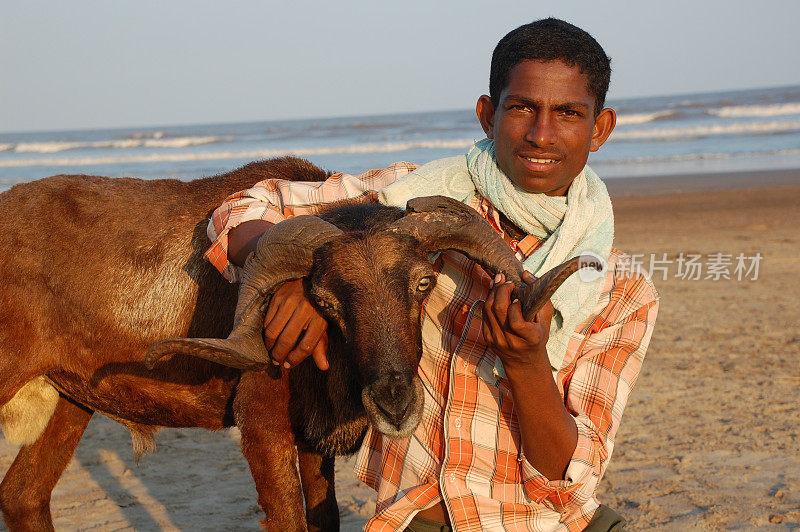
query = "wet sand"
x=710 y=437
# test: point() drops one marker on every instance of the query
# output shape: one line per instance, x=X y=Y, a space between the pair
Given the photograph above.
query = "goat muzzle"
x=394 y=403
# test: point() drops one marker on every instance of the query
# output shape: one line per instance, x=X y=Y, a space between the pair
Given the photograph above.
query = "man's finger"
x=545 y=316
x=486 y=328
x=516 y=321
x=305 y=347
x=522 y=330
x=287 y=340
x=285 y=295
x=272 y=310
x=320 y=353
x=273 y=329
x=501 y=301
x=496 y=335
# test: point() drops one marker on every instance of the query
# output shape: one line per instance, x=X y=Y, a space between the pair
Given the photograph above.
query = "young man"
x=520 y=417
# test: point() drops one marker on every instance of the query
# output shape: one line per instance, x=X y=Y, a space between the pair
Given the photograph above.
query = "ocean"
x=698 y=133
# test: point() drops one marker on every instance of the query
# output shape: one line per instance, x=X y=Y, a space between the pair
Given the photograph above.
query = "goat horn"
x=537 y=294
x=441 y=223
x=284 y=252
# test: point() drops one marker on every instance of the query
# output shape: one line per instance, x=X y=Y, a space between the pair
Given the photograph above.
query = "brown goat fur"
x=96 y=270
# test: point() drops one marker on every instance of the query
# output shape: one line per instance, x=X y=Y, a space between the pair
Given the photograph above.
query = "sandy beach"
x=709 y=440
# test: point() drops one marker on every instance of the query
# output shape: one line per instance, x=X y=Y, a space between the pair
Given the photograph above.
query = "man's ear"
x=603 y=126
x=485 y=111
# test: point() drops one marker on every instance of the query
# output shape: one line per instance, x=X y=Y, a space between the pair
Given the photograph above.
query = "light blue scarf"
x=583 y=223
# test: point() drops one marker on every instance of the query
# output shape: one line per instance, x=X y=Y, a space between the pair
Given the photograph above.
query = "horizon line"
x=351 y=116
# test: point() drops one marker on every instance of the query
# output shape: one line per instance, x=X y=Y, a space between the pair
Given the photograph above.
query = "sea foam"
x=739 y=111
x=700 y=157
x=679 y=133
x=641 y=118
x=159 y=142
x=248 y=154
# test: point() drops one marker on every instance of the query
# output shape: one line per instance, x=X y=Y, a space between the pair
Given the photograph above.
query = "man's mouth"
x=539 y=161
x=539 y=164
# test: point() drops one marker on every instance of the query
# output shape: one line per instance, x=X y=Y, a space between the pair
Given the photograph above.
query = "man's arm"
x=274 y=200
x=547 y=429
x=243 y=239
x=597 y=387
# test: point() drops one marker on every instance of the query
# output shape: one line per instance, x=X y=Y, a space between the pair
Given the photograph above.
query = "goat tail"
x=142 y=440
x=27 y=414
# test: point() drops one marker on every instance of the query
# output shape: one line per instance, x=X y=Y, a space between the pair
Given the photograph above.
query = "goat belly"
x=146 y=401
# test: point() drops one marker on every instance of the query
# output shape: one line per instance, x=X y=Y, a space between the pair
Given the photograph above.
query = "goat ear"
x=538 y=293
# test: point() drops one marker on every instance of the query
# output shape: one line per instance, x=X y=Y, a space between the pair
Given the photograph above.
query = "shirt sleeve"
x=275 y=200
x=605 y=372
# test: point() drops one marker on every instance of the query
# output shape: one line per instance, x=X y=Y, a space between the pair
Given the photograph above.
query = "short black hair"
x=551 y=39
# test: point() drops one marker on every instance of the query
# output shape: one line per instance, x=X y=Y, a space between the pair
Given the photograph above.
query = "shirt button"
x=452 y=477
x=458 y=423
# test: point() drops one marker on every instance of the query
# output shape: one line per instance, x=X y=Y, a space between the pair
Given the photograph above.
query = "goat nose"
x=396 y=384
x=392 y=394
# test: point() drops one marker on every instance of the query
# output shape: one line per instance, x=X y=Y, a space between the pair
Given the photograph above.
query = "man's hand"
x=547 y=430
x=517 y=342
x=293 y=329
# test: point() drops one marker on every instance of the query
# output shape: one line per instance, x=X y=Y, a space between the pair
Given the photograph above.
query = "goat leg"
x=261 y=411
x=317 y=476
x=26 y=489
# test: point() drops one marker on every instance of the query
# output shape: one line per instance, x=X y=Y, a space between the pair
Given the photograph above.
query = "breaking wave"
x=641 y=118
x=740 y=111
x=682 y=133
x=698 y=157
x=249 y=154
x=150 y=141
x=148 y=135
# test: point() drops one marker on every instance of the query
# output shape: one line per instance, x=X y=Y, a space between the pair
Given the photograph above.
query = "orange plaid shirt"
x=467 y=450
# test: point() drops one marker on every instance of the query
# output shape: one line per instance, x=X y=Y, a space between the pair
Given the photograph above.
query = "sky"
x=119 y=63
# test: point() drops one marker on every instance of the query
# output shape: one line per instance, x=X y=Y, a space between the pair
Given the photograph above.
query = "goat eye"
x=321 y=303
x=424 y=284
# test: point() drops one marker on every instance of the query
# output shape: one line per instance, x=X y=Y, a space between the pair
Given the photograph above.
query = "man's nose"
x=541 y=130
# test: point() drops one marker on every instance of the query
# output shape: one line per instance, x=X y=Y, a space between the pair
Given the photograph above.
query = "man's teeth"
x=540 y=161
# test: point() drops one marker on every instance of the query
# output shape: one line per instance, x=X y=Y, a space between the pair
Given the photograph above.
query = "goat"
x=98 y=271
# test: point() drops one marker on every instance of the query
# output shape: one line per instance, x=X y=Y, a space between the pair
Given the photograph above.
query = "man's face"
x=544 y=126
